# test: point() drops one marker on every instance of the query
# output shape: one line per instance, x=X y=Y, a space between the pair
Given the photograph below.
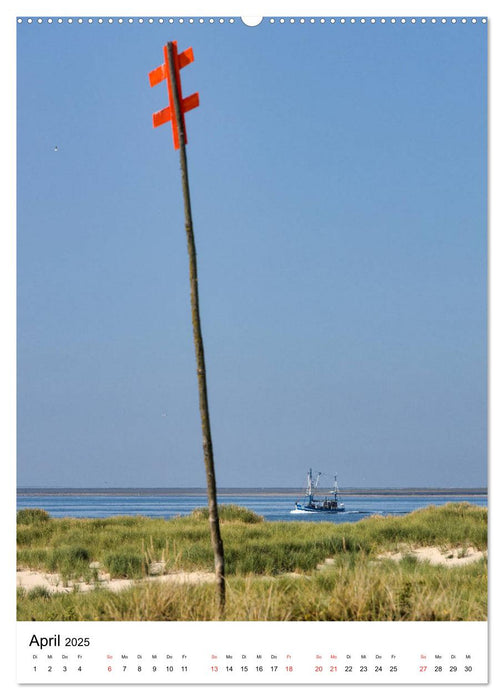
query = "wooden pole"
x=217 y=545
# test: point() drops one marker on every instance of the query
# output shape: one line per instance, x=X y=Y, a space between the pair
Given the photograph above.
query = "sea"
x=273 y=507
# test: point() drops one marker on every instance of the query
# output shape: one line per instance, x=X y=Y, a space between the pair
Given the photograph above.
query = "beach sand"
x=30 y=579
x=437 y=556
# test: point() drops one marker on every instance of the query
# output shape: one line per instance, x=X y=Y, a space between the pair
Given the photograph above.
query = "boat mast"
x=309 y=490
x=335 y=488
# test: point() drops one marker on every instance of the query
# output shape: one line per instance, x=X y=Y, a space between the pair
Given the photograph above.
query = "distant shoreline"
x=251 y=492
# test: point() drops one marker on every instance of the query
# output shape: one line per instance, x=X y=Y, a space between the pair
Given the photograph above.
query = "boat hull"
x=315 y=509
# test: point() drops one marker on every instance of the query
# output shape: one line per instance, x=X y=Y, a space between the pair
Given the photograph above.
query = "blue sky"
x=339 y=200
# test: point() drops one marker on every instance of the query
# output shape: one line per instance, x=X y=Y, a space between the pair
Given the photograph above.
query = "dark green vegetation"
x=32 y=516
x=260 y=560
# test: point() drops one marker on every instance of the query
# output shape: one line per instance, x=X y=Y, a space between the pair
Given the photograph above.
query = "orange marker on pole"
x=162 y=72
x=170 y=71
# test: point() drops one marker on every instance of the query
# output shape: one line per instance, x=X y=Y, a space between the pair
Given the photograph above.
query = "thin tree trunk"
x=217 y=545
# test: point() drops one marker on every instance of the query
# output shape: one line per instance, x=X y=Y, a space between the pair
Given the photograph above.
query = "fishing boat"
x=323 y=504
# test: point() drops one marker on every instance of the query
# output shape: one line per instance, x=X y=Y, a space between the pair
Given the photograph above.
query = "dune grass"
x=260 y=559
x=351 y=590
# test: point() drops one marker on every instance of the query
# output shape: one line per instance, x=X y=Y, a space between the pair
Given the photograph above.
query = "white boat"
x=323 y=504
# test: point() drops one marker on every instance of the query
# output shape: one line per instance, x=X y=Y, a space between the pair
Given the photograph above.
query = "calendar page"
x=252 y=271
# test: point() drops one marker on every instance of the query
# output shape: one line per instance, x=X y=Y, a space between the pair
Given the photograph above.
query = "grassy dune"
x=260 y=558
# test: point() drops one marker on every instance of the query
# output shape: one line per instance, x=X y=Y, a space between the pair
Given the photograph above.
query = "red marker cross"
x=161 y=73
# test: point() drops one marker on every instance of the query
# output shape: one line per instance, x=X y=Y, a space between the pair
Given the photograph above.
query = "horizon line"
x=246 y=488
